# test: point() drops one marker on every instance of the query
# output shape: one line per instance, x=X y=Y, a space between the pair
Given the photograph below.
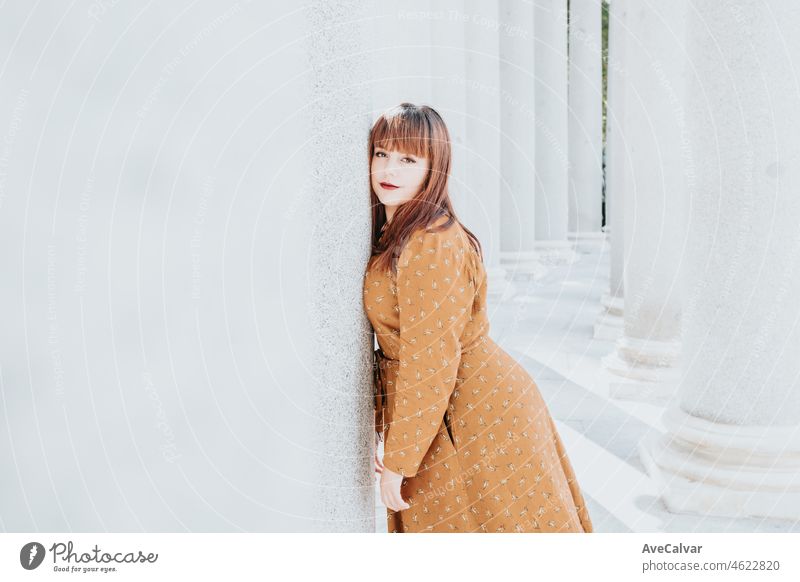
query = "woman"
x=469 y=444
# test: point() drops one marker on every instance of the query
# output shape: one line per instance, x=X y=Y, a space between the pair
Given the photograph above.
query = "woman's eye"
x=405 y=159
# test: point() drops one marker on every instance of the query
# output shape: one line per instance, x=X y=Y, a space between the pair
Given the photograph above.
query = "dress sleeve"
x=435 y=292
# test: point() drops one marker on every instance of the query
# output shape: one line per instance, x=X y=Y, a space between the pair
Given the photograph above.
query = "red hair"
x=420 y=131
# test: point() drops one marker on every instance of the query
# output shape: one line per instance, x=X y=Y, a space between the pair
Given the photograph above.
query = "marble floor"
x=548 y=327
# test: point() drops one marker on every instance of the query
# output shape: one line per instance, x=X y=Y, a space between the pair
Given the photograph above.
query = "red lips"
x=388 y=186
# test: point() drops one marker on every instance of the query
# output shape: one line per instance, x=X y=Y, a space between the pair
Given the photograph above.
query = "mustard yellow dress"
x=461 y=420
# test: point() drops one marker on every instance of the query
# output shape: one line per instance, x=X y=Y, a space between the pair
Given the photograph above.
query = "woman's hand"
x=378 y=462
x=390 y=490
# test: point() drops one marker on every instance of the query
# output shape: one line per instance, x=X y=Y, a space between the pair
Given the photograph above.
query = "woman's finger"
x=396 y=500
x=386 y=502
x=388 y=498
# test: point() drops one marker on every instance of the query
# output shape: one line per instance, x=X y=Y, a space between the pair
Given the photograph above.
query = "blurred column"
x=608 y=325
x=585 y=120
x=552 y=193
x=644 y=364
x=517 y=141
x=399 y=38
x=448 y=78
x=733 y=442
x=483 y=136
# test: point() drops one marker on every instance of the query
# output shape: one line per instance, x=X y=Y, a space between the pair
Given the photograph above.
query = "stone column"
x=552 y=192
x=517 y=142
x=184 y=344
x=608 y=325
x=483 y=137
x=644 y=363
x=342 y=417
x=733 y=442
x=585 y=120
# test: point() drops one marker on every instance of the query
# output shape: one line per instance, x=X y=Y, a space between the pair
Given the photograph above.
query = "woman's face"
x=397 y=176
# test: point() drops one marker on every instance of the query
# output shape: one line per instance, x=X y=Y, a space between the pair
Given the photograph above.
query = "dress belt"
x=379 y=389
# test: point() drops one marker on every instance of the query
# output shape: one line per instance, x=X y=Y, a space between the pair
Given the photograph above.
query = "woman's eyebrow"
x=405 y=154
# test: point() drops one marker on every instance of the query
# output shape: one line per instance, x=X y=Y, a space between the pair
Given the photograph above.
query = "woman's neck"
x=389 y=212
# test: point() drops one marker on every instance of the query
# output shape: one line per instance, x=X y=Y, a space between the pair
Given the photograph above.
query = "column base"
x=643 y=370
x=523 y=265
x=588 y=242
x=725 y=470
x=553 y=253
x=609 y=324
x=499 y=287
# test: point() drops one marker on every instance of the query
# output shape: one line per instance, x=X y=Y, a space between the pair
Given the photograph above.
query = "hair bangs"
x=404 y=131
